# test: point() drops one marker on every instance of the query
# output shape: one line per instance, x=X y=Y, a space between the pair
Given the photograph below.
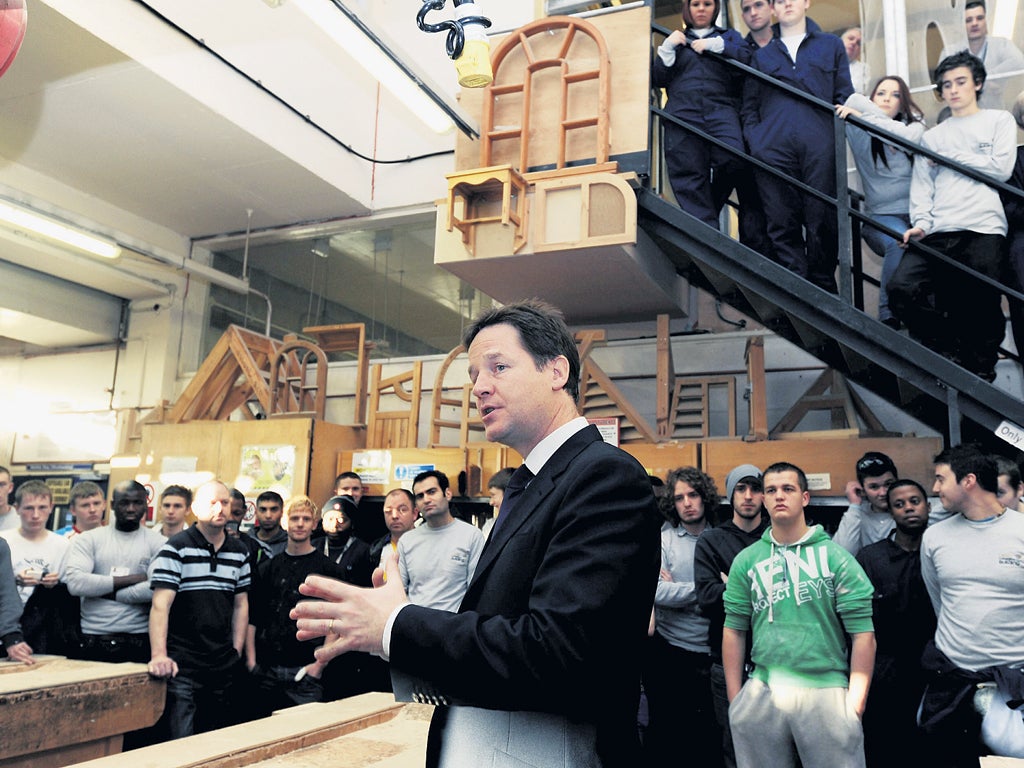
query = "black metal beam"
x=896 y=360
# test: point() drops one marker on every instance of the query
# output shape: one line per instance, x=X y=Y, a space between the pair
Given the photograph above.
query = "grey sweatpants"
x=771 y=726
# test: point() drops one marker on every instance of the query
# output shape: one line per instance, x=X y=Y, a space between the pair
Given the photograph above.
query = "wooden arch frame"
x=290 y=395
x=521 y=38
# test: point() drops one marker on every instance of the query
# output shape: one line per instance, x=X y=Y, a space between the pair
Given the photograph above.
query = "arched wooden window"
x=564 y=62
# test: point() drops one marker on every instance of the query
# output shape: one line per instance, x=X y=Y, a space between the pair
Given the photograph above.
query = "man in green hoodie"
x=798 y=594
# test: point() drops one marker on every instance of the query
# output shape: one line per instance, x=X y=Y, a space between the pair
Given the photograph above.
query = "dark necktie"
x=516 y=485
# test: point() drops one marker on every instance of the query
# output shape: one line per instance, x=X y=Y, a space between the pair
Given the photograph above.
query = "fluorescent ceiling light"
x=367 y=50
x=22 y=219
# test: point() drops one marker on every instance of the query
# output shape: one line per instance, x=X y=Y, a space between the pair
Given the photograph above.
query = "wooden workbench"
x=367 y=731
x=60 y=711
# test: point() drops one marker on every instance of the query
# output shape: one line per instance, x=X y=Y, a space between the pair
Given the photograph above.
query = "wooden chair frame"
x=395 y=428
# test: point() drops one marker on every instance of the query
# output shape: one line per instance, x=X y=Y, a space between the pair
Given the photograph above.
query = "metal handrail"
x=848 y=249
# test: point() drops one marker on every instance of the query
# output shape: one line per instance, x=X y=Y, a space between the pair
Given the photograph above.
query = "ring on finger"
x=330 y=627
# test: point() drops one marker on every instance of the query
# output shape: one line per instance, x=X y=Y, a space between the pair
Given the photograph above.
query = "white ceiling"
x=77 y=109
x=110 y=100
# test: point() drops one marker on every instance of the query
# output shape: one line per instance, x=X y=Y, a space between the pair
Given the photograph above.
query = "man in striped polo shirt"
x=199 y=617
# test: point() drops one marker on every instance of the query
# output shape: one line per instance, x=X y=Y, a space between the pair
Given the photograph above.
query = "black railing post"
x=857 y=255
x=843 y=228
x=953 y=415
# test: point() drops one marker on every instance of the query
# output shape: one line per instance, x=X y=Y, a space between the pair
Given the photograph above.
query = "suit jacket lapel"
x=540 y=487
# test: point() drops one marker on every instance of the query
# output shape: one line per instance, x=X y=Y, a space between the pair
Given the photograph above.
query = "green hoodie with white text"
x=798 y=601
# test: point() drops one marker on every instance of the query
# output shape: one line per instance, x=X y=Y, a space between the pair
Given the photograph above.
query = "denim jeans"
x=116 y=647
x=276 y=688
x=199 y=701
x=964 y=320
x=720 y=699
x=890 y=251
x=678 y=690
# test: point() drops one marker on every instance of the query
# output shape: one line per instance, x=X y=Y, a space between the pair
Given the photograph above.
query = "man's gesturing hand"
x=350 y=618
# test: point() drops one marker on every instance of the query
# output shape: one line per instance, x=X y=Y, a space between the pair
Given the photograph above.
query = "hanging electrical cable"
x=279 y=99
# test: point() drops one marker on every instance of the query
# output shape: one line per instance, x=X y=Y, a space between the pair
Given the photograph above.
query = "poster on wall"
x=609 y=427
x=374 y=467
x=266 y=468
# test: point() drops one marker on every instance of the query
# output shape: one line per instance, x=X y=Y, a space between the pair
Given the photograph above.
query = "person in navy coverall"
x=797 y=139
x=704 y=91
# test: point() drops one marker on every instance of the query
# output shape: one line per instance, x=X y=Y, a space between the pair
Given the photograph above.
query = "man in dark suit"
x=541 y=663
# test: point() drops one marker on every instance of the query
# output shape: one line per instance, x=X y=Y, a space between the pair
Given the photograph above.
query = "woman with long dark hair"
x=885 y=169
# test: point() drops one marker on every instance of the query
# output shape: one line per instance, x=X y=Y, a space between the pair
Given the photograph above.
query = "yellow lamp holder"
x=467 y=43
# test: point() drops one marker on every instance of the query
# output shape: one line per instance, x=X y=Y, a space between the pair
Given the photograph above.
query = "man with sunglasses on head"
x=868 y=519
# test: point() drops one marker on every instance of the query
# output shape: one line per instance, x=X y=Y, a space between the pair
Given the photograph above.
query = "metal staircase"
x=941 y=394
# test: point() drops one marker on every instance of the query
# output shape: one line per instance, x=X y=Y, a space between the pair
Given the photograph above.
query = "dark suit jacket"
x=556 y=615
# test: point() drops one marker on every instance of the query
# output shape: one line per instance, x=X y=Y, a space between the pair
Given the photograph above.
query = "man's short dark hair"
x=961 y=59
x=442 y=478
x=702 y=483
x=32 y=488
x=1009 y=468
x=971 y=460
x=542 y=332
x=974 y=4
x=785 y=466
x=84 y=490
x=237 y=495
x=177 y=490
x=501 y=478
x=906 y=482
x=347 y=476
x=874 y=464
x=122 y=488
x=273 y=496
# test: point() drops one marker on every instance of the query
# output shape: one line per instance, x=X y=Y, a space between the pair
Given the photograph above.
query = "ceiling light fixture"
x=383 y=64
x=24 y=220
x=322 y=247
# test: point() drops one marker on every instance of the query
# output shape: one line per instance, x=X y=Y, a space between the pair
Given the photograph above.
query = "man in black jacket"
x=541 y=665
x=716 y=549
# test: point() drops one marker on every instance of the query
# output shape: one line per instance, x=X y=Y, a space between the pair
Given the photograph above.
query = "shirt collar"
x=196 y=535
x=546 y=448
x=681 y=532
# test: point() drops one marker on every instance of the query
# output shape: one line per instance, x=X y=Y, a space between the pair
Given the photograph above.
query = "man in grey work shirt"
x=971 y=565
x=107 y=567
x=438 y=559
